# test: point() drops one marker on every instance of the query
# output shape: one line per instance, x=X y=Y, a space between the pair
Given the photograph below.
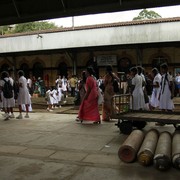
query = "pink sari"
x=89 y=107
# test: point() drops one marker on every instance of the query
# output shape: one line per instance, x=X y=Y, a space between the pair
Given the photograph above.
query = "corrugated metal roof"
x=19 y=11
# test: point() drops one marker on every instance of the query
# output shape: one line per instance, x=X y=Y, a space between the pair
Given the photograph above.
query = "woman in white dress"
x=23 y=95
x=154 y=100
x=60 y=95
x=49 y=98
x=137 y=90
x=54 y=93
x=64 y=86
x=166 y=91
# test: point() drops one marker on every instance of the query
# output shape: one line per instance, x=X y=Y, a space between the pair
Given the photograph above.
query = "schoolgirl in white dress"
x=166 y=91
x=154 y=100
x=7 y=103
x=137 y=90
x=23 y=95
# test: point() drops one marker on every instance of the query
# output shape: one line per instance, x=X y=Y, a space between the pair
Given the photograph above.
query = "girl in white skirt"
x=154 y=100
x=166 y=91
x=23 y=95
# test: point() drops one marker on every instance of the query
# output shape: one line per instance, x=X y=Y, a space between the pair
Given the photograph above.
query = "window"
x=157 y=61
x=5 y=67
x=38 y=70
x=25 y=68
x=62 y=69
x=124 y=64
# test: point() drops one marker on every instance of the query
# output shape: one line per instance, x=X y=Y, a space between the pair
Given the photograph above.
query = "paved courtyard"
x=53 y=146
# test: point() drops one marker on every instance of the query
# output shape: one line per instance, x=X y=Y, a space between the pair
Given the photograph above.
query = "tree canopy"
x=28 y=27
x=145 y=14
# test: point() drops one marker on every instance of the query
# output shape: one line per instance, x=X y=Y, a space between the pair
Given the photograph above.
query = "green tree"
x=145 y=14
x=33 y=26
x=4 y=30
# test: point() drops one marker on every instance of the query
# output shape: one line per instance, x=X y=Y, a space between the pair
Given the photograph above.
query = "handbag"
x=100 y=97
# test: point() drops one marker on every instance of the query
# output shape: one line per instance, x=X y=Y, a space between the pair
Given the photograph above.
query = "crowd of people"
x=154 y=90
x=12 y=91
x=150 y=91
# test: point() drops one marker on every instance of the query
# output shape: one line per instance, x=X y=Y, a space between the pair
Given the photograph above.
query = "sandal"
x=97 y=122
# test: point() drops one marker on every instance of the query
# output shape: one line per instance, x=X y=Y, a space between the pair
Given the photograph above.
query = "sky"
x=164 y=12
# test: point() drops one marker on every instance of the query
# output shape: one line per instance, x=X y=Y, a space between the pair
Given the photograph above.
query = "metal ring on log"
x=176 y=150
x=128 y=150
x=148 y=147
x=162 y=157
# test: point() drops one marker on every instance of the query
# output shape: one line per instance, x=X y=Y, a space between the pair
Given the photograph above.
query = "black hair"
x=4 y=74
x=84 y=76
x=21 y=73
x=140 y=69
x=134 y=69
x=90 y=70
x=109 y=68
x=164 y=66
x=155 y=70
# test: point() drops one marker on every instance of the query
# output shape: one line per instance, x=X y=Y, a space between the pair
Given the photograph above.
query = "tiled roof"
x=97 y=26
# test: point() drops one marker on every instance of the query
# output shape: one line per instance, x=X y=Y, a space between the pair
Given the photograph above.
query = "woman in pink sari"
x=88 y=110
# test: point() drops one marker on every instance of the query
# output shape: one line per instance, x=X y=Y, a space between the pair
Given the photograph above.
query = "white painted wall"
x=131 y=34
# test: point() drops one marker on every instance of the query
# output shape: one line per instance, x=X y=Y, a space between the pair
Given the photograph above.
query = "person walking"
x=81 y=90
x=23 y=95
x=108 y=93
x=154 y=100
x=88 y=110
x=82 y=86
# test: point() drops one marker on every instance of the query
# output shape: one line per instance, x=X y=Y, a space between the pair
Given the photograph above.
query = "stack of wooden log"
x=152 y=148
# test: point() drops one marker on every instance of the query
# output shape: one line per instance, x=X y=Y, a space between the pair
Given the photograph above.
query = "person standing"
x=65 y=87
x=137 y=90
x=72 y=83
x=177 y=83
x=60 y=95
x=81 y=89
x=29 y=84
x=49 y=98
x=154 y=100
x=23 y=95
x=167 y=91
x=58 y=81
x=108 y=93
x=41 y=86
x=88 y=110
x=7 y=97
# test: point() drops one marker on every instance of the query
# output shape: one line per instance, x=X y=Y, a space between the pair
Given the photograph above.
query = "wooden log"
x=148 y=147
x=176 y=150
x=128 y=150
x=162 y=157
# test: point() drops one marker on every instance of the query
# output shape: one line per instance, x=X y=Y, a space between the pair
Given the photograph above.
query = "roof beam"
x=64 y=7
x=15 y=6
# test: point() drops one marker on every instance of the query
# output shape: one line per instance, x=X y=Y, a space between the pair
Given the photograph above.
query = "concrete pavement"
x=52 y=146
